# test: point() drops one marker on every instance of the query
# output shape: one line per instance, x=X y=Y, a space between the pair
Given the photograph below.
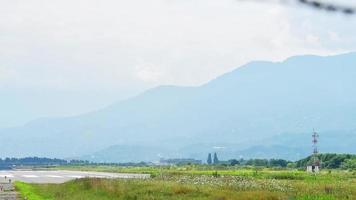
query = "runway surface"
x=61 y=176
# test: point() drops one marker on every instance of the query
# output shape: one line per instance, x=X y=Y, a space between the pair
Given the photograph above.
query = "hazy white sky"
x=64 y=57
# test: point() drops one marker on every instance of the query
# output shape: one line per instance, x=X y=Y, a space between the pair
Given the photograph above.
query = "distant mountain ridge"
x=256 y=101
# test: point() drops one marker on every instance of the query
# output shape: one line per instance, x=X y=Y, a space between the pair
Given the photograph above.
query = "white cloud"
x=100 y=44
x=312 y=40
x=333 y=36
x=6 y=74
x=115 y=46
x=149 y=73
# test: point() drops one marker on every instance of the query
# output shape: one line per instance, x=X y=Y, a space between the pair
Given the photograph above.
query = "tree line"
x=331 y=161
x=7 y=163
x=327 y=161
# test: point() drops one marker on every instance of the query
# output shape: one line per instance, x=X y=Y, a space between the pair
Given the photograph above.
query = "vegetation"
x=216 y=160
x=255 y=179
x=215 y=184
x=329 y=160
x=349 y=164
x=209 y=161
x=30 y=161
x=232 y=167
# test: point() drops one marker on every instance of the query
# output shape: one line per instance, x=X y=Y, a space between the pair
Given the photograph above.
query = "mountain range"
x=261 y=109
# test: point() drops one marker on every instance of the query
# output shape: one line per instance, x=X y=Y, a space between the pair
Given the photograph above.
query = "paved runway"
x=60 y=176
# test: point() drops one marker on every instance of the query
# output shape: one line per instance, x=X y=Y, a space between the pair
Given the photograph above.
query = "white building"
x=313 y=169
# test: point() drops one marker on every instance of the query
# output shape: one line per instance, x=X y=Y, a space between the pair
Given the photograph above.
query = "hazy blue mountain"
x=19 y=106
x=232 y=113
x=287 y=146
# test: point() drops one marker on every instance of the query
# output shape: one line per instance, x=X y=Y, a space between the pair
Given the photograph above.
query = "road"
x=7 y=191
x=61 y=176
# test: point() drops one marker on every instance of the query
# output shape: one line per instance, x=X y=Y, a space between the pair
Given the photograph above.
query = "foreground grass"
x=102 y=189
x=203 y=184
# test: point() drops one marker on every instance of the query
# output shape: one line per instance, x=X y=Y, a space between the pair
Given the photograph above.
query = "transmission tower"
x=315 y=136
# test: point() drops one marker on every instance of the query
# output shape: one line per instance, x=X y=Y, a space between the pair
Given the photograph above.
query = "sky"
x=66 y=57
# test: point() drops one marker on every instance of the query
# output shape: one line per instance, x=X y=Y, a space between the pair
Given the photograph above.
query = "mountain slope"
x=258 y=100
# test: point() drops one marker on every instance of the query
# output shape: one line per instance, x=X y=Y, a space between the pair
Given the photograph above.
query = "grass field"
x=192 y=182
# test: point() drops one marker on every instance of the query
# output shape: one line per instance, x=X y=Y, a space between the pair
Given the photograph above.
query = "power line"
x=341 y=6
x=328 y=6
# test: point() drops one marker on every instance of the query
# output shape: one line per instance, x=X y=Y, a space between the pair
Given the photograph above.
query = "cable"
x=330 y=7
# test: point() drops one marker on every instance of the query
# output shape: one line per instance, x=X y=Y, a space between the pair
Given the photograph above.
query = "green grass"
x=201 y=183
x=28 y=191
x=95 y=189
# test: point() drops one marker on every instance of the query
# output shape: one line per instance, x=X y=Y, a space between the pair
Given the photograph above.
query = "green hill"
x=330 y=160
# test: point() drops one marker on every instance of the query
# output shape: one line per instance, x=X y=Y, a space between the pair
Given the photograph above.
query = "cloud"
x=312 y=40
x=100 y=50
x=99 y=45
x=6 y=73
x=149 y=73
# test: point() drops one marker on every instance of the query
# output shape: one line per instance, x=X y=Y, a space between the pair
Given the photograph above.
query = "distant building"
x=313 y=168
x=179 y=161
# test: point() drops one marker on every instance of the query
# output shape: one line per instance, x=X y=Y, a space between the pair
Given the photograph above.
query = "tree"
x=209 y=159
x=329 y=160
x=216 y=160
x=291 y=165
x=349 y=164
x=234 y=162
x=278 y=163
x=257 y=162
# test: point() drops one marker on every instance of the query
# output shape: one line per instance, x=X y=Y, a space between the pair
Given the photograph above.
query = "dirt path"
x=7 y=191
